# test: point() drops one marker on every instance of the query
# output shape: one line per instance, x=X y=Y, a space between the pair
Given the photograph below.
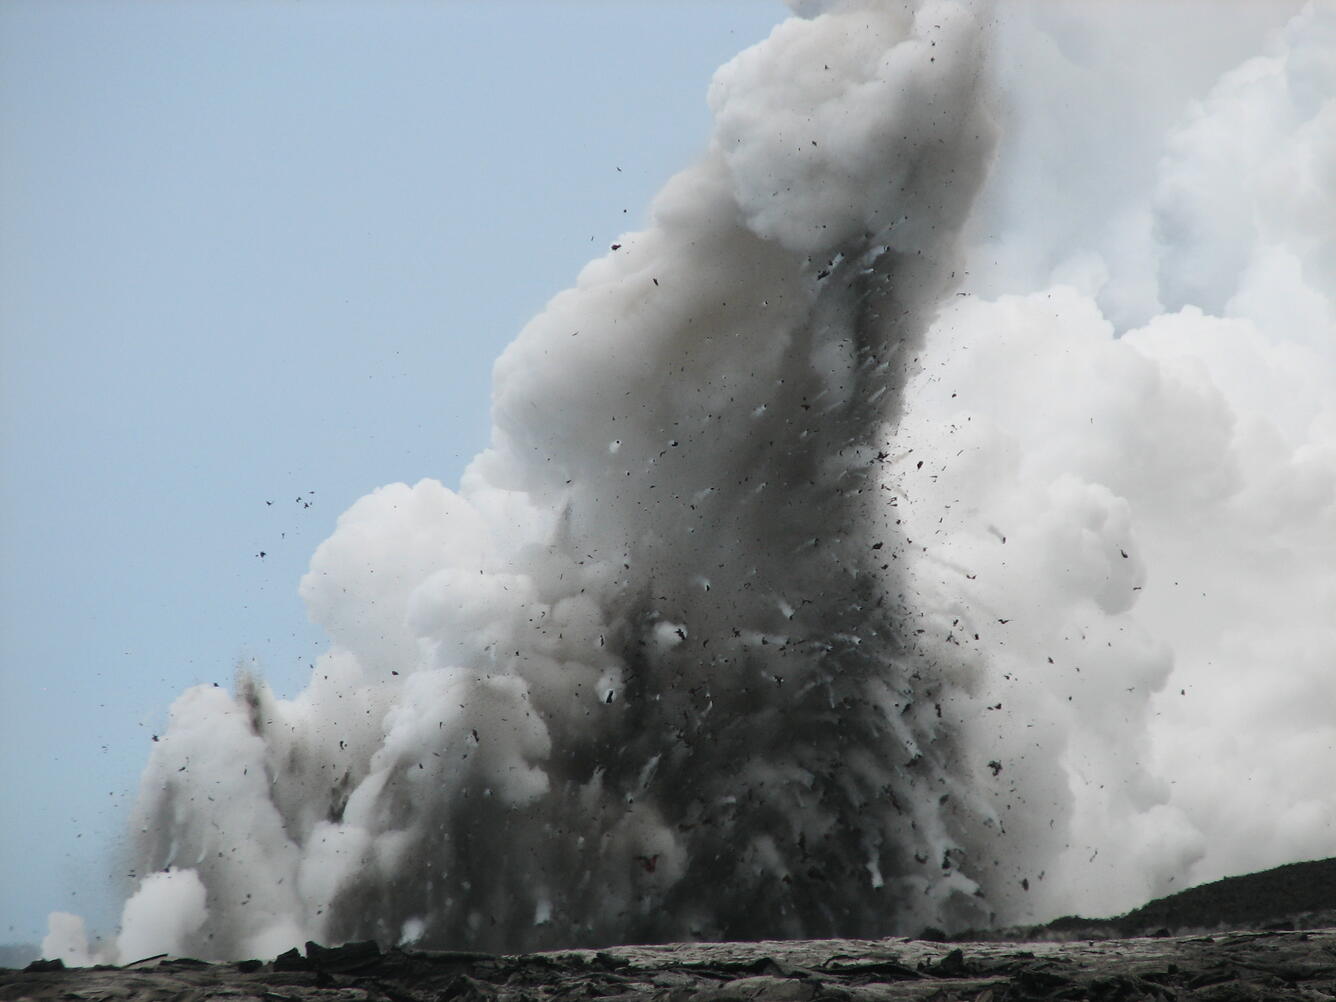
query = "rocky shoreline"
x=1243 y=965
x=1265 y=936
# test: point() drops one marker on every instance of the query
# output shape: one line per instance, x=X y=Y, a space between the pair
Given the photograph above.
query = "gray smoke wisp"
x=647 y=675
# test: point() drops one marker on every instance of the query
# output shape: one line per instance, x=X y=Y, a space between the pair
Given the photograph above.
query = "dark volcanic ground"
x=1295 y=896
x=1255 y=937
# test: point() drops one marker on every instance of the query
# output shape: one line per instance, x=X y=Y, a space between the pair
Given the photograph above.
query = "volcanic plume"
x=834 y=565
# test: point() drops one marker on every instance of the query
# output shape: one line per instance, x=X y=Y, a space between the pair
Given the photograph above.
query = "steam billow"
x=830 y=573
x=648 y=675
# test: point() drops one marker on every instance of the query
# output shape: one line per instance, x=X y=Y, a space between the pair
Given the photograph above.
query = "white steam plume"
x=1149 y=419
x=702 y=648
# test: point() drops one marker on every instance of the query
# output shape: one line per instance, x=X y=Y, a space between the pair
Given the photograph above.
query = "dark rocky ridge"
x=1295 y=896
x=1228 y=964
x=1304 y=893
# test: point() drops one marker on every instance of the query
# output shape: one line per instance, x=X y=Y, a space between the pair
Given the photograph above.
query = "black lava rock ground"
x=1246 y=962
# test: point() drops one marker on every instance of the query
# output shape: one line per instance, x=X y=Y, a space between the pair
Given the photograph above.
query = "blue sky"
x=266 y=252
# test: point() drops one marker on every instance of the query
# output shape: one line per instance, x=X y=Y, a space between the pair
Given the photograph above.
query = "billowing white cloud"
x=1168 y=494
x=162 y=915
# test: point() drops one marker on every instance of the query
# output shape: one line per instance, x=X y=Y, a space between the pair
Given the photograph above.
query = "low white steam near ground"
x=929 y=517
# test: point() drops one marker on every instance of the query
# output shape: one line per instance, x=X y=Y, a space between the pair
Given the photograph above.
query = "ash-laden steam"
x=648 y=675
x=797 y=595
